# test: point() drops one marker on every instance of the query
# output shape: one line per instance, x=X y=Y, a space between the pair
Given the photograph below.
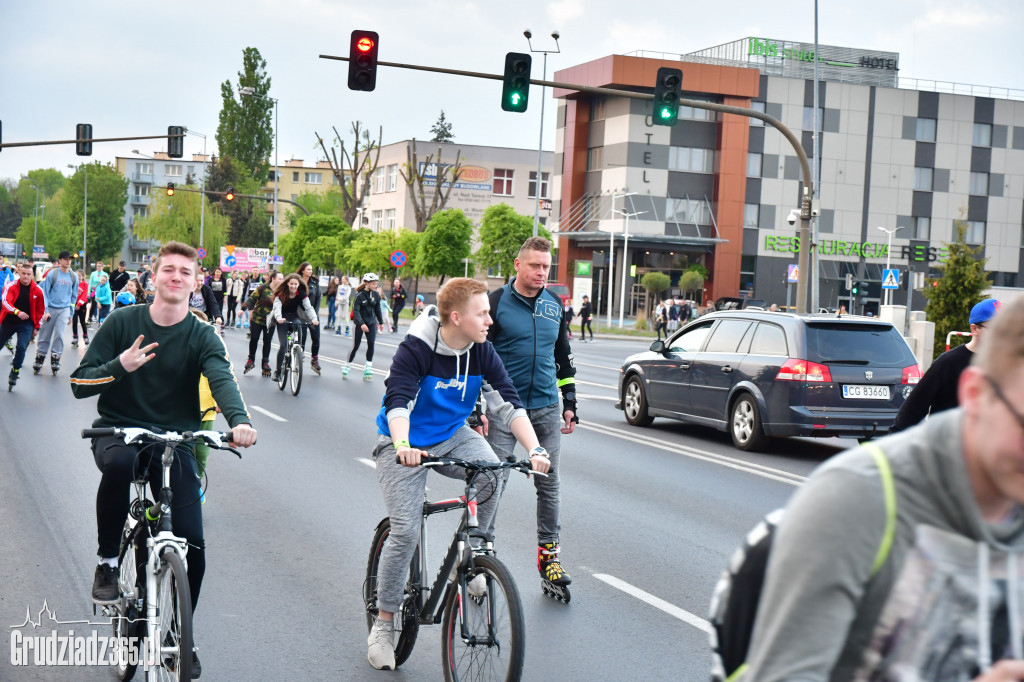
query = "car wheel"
x=745 y=425
x=634 y=403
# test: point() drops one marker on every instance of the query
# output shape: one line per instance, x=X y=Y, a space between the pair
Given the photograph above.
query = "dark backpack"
x=737 y=595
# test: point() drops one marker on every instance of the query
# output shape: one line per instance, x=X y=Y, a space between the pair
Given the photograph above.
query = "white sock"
x=112 y=561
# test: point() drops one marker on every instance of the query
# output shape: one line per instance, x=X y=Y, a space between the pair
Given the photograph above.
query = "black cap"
x=122 y=263
x=63 y=254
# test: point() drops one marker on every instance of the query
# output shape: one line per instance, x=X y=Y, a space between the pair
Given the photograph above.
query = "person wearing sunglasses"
x=937 y=390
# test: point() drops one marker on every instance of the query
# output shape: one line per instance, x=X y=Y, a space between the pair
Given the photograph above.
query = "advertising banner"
x=238 y=258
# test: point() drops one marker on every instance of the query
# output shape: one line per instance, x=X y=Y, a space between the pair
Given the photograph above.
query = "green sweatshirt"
x=164 y=392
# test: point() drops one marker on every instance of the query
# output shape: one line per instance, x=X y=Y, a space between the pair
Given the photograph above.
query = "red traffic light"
x=935 y=283
x=364 y=44
x=230 y=194
x=170 y=189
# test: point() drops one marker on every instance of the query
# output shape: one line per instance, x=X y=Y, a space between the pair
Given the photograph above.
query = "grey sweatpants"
x=403 y=489
x=51 y=332
x=547 y=423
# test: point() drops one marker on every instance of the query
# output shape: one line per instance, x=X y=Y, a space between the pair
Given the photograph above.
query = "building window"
x=809 y=118
x=377 y=184
x=595 y=158
x=141 y=211
x=145 y=169
x=975 y=232
x=543 y=186
x=687 y=211
x=597 y=108
x=334 y=179
x=925 y=130
x=191 y=170
x=295 y=176
x=142 y=190
x=389 y=219
x=923 y=179
x=503 y=182
x=922 y=228
x=979 y=184
x=982 y=136
x=751 y=215
x=314 y=178
x=757 y=106
x=393 y=177
x=377 y=220
x=691 y=159
x=172 y=170
x=695 y=114
x=753 y=165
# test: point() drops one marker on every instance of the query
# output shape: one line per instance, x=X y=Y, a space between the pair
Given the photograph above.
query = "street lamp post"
x=625 y=262
x=540 y=143
x=35 y=229
x=611 y=256
x=888 y=259
x=85 y=214
x=249 y=91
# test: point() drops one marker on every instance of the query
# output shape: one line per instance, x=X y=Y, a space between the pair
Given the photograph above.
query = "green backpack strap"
x=889 y=491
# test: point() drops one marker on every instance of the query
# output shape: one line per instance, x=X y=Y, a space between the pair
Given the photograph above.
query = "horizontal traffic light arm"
x=236 y=195
x=5 y=145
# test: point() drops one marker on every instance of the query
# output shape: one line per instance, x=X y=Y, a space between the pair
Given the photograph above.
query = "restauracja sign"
x=836 y=247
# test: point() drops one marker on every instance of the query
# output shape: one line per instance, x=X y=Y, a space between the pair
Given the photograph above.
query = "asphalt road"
x=650 y=517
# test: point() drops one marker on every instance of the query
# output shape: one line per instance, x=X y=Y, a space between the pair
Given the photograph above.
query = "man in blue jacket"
x=436 y=375
x=60 y=287
x=531 y=336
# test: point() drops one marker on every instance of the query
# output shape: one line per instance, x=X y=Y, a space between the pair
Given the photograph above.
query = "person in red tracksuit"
x=21 y=314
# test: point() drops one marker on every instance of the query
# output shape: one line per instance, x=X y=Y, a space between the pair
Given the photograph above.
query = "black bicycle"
x=291 y=368
x=154 y=607
x=483 y=630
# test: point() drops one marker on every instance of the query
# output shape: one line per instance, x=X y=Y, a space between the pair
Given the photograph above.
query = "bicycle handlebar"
x=522 y=465
x=218 y=440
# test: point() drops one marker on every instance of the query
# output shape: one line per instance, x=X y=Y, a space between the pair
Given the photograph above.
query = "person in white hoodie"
x=941 y=596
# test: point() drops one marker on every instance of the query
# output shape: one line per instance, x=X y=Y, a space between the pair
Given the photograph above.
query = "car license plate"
x=865 y=392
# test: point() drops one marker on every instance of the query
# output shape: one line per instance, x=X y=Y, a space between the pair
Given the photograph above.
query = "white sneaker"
x=477 y=587
x=381 y=654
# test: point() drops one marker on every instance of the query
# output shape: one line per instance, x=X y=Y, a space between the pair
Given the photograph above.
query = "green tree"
x=10 y=212
x=502 y=232
x=48 y=180
x=692 y=280
x=353 y=170
x=655 y=283
x=108 y=192
x=249 y=219
x=331 y=202
x=246 y=128
x=958 y=289
x=319 y=238
x=442 y=130
x=371 y=251
x=444 y=244
x=177 y=218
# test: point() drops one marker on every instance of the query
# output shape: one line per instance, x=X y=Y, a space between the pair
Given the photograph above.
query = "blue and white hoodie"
x=436 y=387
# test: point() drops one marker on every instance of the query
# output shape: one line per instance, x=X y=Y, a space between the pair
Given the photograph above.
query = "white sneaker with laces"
x=381 y=654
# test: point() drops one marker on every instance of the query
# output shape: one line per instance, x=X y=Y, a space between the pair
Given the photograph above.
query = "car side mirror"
x=658 y=347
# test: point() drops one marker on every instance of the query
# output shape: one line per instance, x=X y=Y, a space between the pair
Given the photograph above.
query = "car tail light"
x=911 y=375
x=803 y=370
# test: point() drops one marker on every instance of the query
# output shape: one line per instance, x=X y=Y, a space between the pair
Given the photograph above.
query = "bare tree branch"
x=414 y=177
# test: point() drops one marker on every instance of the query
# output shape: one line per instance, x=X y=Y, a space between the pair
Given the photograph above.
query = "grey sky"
x=135 y=68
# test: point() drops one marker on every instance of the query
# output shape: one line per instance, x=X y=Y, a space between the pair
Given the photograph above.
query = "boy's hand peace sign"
x=136 y=356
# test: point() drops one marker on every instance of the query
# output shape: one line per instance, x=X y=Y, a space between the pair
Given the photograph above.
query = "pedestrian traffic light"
x=854 y=287
x=170 y=189
x=667 y=91
x=515 y=89
x=849 y=281
x=175 y=141
x=230 y=194
x=362 y=60
x=83 y=139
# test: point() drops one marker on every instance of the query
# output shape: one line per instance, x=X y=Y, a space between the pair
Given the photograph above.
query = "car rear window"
x=858 y=344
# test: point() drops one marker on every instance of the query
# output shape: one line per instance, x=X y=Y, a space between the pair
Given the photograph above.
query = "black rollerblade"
x=12 y=379
x=55 y=363
x=554 y=580
x=249 y=364
x=265 y=368
x=37 y=364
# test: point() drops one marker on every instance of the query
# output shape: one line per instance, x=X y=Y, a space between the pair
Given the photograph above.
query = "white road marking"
x=670 y=609
x=591 y=383
x=367 y=462
x=590 y=396
x=590 y=364
x=703 y=455
x=268 y=413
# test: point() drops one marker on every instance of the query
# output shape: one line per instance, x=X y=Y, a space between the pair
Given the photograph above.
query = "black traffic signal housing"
x=83 y=139
x=515 y=89
x=230 y=194
x=362 y=60
x=175 y=141
x=170 y=189
x=667 y=92
x=855 y=289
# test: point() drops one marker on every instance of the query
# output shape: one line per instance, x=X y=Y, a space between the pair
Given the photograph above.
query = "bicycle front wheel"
x=282 y=376
x=174 y=632
x=295 y=375
x=494 y=643
x=410 y=624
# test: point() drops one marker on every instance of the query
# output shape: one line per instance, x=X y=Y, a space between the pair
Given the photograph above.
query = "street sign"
x=201 y=252
x=793 y=273
x=38 y=249
x=583 y=268
x=397 y=258
x=230 y=248
x=890 y=279
x=276 y=260
x=230 y=261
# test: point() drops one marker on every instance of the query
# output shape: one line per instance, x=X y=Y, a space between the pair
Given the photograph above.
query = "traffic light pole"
x=803 y=276
x=39 y=143
x=244 y=196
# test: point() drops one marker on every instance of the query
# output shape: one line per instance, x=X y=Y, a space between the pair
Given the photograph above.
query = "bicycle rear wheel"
x=174 y=633
x=410 y=624
x=295 y=375
x=494 y=622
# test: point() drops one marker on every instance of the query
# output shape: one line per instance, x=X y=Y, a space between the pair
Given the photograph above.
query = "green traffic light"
x=515 y=98
x=666 y=112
